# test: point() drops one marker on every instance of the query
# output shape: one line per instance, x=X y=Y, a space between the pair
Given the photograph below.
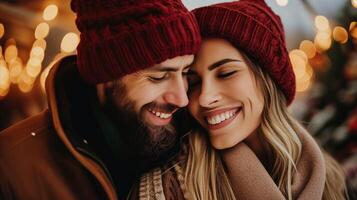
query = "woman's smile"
x=221 y=118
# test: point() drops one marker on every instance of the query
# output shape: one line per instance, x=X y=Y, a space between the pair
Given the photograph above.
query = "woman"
x=239 y=88
x=246 y=145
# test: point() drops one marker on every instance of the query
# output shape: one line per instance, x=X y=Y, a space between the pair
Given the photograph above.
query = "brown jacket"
x=41 y=158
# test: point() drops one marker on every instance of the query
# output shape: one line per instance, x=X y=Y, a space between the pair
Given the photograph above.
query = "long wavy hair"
x=205 y=176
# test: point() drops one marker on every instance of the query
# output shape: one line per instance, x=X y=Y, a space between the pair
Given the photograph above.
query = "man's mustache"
x=166 y=108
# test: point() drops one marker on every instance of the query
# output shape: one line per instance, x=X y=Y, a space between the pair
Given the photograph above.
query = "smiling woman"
x=240 y=85
x=212 y=100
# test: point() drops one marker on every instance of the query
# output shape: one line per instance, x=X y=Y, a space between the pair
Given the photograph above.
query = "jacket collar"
x=68 y=106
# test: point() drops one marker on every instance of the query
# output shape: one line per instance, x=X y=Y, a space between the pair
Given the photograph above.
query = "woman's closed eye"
x=226 y=74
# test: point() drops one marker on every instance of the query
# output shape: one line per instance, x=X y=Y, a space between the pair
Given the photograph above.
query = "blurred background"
x=321 y=38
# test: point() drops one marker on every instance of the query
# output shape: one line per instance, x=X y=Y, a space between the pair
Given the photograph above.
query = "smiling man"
x=114 y=108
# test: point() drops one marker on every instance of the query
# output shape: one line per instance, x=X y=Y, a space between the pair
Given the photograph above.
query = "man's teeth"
x=161 y=115
x=221 y=117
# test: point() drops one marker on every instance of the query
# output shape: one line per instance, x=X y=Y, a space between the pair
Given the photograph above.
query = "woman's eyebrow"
x=221 y=62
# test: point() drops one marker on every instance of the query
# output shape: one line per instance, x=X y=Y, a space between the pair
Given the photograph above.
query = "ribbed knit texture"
x=254 y=28
x=120 y=37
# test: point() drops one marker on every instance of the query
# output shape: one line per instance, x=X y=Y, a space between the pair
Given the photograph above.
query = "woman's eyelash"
x=224 y=75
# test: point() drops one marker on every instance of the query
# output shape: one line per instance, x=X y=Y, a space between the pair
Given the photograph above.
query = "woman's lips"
x=220 y=118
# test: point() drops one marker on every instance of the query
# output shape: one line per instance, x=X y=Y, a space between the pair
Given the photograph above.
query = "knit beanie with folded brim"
x=251 y=26
x=120 y=37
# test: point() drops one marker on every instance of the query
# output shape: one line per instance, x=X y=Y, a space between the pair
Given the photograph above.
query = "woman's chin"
x=220 y=144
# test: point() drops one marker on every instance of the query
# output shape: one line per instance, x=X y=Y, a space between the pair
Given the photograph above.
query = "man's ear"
x=104 y=89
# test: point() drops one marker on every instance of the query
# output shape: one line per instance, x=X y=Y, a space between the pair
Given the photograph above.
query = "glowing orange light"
x=298 y=62
x=303 y=85
x=25 y=78
x=321 y=23
x=323 y=41
x=354 y=32
x=2 y=30
x=282 y=2
x=50 y=12
x=3 y=93
x=37 y=52
x=308 y=47
x=15 y=69
x=42 y=30
x=33 y=70
x=354 y=3
x=340 y=34
x=40 y=43
x=4 y=78
x=10 y=53
x=24 y=87
x=69 y=42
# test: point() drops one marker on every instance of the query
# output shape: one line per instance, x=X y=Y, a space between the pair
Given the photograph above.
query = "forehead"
x=175 y=63
x=214 y=50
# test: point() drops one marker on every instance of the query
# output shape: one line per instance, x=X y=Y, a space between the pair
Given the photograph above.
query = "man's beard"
x=146 y=145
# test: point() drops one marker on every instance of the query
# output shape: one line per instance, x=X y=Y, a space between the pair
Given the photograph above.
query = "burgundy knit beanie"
x=254 y=28
x=119 y=37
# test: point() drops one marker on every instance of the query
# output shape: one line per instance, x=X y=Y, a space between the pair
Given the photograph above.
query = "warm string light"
x=340 y=34
x=4 y=78
x=12 y=69
x=302 y=69
x=354 y=3
x=50 y=12
x=353 y=29
x=321 y=23
x=308 y=47
x=42 y=30
x=282 y=2
x=323 y=38
x=2 y=30
x=69 y=42
x=10 y=53
x=15 y=69
x=322 y=41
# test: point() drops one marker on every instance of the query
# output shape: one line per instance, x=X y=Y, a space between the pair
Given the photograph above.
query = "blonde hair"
x=335 y=185
x=205 y=177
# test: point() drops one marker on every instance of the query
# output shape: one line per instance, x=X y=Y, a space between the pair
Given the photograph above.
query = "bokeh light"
x=15 y=69
x=354 y=3
x=10 y=53
x=2 y=30
x=4 y=78
x=308 y=47
x=50 y=12
x=298 y=60
x=340 y=34
x=322 y=41
x=321 y=23
x=40 y=43
x=42 y=30
x=69 y=42
x=282 y=2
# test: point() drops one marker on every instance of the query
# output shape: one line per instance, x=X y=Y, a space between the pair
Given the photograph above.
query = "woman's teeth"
x=220 y=117
x=161 y=115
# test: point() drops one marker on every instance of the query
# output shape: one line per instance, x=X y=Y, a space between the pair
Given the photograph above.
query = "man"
x=113 y=108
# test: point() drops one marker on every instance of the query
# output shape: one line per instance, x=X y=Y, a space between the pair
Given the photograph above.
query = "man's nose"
x=176 y=94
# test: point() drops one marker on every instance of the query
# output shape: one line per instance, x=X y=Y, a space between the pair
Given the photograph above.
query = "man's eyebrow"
x=221 y=62
x=167 y=69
